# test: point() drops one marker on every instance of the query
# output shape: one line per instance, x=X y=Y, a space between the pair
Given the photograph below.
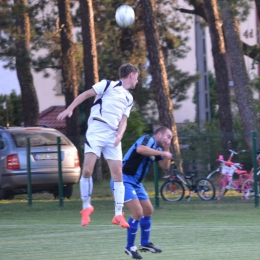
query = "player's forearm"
x=147 y=151
x=165 y=163
x=122 y=126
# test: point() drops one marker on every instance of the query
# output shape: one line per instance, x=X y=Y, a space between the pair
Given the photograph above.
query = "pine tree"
x=15 y=52
x=68 y=68
x=159 y=75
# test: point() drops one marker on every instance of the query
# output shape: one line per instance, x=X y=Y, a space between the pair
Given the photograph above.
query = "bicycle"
x=216 y=175
x=173 y=188
x=227 y=182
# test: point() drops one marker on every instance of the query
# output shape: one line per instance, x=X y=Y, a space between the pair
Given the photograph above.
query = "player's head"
x=129 y=73
x=163 y=136
x=126 y=69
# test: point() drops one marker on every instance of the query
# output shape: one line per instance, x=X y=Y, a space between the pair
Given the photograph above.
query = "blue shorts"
x=133 y=191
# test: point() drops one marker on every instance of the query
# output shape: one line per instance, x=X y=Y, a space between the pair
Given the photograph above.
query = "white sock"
x=119 y=195
x=86 y=187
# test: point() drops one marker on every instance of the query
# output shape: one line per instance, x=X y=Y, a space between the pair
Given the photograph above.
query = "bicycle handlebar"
x=233 y=152
x=229 y=163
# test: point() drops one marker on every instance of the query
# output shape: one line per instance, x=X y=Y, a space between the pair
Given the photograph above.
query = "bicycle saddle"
x=244 y=172
x=191 y=173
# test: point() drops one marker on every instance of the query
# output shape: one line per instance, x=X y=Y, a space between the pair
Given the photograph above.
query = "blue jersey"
x=135 y=165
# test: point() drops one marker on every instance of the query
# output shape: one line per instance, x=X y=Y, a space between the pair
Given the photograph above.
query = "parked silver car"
x=43 y=158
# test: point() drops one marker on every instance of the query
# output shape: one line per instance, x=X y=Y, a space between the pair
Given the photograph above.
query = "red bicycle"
x=216 y=175
x=227 y=181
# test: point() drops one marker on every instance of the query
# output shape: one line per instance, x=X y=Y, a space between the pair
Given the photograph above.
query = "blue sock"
x=145 y=224
x=131 y=232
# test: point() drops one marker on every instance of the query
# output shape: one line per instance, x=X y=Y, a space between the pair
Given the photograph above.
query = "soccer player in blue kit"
x=106 y=126
x=136 y=163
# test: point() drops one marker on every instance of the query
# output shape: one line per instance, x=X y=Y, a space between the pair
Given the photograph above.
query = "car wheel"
x=9 y=196
x=55 y=194
x=6 y=195
x=67 y=192
x=2 y=194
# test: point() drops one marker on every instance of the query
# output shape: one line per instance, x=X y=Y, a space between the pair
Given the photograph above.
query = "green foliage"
x=200 y=149
x=241 y=8
x=171 y=26
x=213 y=96
x=136 y=127
x=255 y=85
x=12 y=114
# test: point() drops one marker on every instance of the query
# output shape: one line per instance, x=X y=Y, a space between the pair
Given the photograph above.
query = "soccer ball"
x=125 y=16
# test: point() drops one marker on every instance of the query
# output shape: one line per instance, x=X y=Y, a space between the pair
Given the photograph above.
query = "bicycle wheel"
x=248 y=189
x=172 y=191
x=222 y=188
x=205 y=189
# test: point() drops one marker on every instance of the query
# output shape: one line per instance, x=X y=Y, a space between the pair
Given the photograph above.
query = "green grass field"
x=195 y=230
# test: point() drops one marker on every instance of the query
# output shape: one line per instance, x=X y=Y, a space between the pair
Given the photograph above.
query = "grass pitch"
x=195 y=230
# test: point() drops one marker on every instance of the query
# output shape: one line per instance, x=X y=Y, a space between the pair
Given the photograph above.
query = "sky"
x=8 y=81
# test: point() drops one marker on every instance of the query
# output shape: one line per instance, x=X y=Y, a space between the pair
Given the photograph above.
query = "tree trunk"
x=159 y=75
x=90 y=64
x=23 y=69
x=221 y=72
x=242 y=90
x=89 y=49
x=68 y=64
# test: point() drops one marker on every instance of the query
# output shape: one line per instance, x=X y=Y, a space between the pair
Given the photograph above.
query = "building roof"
x=48 y=117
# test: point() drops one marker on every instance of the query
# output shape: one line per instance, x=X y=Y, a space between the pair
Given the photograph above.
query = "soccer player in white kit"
x=106 y=126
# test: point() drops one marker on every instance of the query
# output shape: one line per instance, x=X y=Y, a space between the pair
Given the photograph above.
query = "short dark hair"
x=126 y=69
x=161 y=129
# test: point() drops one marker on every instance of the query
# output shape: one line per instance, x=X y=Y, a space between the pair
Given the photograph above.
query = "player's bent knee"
x=137 y=215
x=148 y=212
x=116 y=176
x=86 y=172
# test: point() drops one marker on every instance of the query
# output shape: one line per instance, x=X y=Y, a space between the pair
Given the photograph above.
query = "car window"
x=2 y=145
x=37 y=139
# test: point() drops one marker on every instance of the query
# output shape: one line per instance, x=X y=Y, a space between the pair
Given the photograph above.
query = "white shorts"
x=101 y=138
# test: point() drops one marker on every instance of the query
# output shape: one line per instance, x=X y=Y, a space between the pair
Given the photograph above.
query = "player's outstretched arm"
x=78 y=100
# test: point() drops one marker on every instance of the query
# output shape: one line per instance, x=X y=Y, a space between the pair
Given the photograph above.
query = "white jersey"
x=111 y=103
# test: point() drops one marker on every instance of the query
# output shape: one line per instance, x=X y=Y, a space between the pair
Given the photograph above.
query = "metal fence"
x=198 y=151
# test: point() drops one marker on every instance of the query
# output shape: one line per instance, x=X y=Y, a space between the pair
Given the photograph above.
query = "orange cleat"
x=120 y=221
x=85 y=218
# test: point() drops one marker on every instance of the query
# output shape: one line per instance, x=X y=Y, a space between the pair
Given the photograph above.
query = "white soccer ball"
x=125 y=16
